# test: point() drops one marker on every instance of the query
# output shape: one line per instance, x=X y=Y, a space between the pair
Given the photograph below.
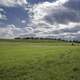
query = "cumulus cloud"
x=11 y=31
x=46 y=8
x=3 y=17
x=63 y=16
x=1 y=10
x=12 y=3
x=54 y=12
x=55 y=19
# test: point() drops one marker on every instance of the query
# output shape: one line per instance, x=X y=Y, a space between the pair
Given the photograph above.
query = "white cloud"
x=3 y=17
x=66 y=31
x=11 y=31
x=39 y=27
x=39 y=11
x=45 y=29
x=2 y=10
x=69 y=25
x=42 y=9
x=23 y=21
x=11 y=3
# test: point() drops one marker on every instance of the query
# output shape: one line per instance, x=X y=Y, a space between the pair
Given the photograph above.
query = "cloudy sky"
x=40 y=18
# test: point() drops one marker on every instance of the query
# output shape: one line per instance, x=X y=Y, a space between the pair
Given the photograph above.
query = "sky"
x=40 y=18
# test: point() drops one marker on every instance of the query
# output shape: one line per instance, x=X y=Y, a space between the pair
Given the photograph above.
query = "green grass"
x=39 y=60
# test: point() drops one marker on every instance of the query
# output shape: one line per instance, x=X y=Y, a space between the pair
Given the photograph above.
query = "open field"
x=39 y=60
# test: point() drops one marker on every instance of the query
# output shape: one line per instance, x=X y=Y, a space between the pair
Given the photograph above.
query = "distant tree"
x=17 y=38
x=72 y=44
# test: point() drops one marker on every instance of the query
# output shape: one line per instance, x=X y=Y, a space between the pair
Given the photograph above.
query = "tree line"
x=40 y=38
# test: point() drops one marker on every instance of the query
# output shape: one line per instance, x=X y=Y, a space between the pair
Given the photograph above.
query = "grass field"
x=39 y=60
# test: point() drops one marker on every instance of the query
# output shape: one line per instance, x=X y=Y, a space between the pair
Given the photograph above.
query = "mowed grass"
x=39 y=60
